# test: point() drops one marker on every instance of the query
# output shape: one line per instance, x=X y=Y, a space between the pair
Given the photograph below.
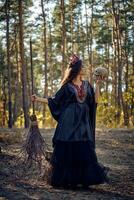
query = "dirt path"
x=114 y=148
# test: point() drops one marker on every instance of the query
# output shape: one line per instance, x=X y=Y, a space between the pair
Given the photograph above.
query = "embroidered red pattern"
x=80 y=90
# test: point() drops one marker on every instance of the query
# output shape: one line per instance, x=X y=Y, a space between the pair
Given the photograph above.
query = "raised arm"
x=97 y=92
x=97 y=88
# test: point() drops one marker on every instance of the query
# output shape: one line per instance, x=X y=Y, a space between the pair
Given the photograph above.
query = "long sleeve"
x=55 y=103
x=93 y=109
x=93 y=112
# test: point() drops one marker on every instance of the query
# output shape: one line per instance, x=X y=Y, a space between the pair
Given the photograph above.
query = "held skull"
x=101 y=71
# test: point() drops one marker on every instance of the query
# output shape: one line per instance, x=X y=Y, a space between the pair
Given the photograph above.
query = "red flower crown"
x=74 y=59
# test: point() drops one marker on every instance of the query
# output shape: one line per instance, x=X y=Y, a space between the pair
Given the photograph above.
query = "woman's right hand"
x=34 y=97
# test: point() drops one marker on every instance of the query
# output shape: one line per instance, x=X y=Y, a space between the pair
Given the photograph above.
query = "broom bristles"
x=35 y=145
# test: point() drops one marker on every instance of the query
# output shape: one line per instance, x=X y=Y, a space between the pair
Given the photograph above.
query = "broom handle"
x=32 y=80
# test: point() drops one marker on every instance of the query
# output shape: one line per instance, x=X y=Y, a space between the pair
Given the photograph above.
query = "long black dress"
x=74 y=159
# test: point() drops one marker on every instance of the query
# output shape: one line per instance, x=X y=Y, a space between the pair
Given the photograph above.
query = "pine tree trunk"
x=23 y=66
x=82 y=37
x=16 y=95
x=45 y=58
x=91 y=44
x=72 y=25
x=51 y=61
x=126 y=61
x=114 y=67
x=89 y=41
x=8 y=65
x=117 y=57
x=131 y=83
x=108 y=64
x=4 y=99
x=63 y=44
x=125 y=103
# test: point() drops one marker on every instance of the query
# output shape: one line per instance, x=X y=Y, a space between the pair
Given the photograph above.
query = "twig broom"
x=35 y=145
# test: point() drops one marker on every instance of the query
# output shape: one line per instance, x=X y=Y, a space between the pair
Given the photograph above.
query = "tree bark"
x=89 y=41
x=7 y=10
x=51 y=61
x=45 y=58
x=118 y=54
x=4 y=100
x=63 y=29
x=23 y=66
x=72 y=25
x=16 y=95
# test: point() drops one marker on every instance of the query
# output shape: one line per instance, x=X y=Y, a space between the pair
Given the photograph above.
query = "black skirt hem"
x=75 y=163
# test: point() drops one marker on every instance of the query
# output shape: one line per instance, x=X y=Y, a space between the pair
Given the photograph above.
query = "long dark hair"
x=71 y=72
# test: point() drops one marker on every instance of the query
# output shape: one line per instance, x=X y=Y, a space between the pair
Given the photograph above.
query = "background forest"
x=101 y=32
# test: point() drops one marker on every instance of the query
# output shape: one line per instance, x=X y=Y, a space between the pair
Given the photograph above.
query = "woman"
x=74 y=160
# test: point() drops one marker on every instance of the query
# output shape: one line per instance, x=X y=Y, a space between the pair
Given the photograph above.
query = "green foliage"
x=106 y=116
x=92 y=40
x=107 y=111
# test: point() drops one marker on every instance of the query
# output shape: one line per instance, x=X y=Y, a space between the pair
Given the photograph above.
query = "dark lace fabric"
x=74 y=159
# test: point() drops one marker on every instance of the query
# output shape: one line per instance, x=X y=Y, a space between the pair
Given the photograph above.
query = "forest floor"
x=114 y=148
